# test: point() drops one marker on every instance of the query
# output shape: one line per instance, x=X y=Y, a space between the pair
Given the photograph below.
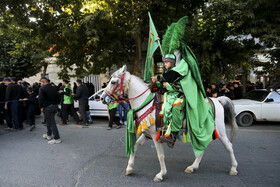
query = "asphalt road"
x=96 y=157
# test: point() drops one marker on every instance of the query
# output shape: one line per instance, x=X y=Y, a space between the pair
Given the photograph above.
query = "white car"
x=259 y=105
x=96 y=107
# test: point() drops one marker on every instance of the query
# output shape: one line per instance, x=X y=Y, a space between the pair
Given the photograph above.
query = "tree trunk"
x=138 y=56
x=44 y=70
x=244 y=80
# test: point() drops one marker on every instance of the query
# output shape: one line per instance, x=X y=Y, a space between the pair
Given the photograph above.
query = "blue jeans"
x=123 y=111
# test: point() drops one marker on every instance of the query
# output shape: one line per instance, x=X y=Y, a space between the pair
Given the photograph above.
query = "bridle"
x=122 y=88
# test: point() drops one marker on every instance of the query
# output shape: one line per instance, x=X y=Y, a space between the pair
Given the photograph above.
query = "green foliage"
x=91 y=36
x=18 y=59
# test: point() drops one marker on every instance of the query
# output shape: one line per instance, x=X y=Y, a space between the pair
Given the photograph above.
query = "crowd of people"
x=232 y=90
x=21 y=101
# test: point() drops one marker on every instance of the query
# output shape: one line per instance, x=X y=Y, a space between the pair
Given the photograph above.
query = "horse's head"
x=111 y=92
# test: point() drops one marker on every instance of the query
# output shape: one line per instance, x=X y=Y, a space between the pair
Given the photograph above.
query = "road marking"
x=258 y=130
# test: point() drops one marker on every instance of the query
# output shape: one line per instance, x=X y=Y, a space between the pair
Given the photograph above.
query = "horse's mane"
x=139 y=79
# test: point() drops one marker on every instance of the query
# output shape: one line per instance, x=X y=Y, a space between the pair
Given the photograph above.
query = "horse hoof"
x=188 y=170
x=128 y=172
x=233 y=173
x=156 y=179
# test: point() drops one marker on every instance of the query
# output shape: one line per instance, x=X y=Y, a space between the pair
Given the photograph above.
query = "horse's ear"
x=123 y=70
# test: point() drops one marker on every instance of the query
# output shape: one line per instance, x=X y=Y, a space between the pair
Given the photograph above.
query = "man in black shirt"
x=82 y=95
x=2 y=99
x=237 y=91
x=14 y=93
x=48 y=99
x=5 y=114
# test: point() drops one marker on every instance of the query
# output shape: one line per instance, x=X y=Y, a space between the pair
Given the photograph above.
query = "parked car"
x=96 y=107
x=258 y=105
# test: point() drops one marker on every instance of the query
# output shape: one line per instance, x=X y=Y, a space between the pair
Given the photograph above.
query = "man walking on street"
x=48 y=99
x=112 y=114
x=82 y=94
x=5 y=114
x=14 y=93
x=68 y=104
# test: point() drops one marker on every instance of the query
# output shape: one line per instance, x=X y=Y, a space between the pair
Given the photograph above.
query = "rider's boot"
x=170 y=141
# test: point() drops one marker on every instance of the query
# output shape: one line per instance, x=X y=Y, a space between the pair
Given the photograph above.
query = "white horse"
x=224 y=114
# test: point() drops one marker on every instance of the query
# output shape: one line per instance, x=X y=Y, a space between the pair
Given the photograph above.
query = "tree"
x=91 y=36
x=18 y=60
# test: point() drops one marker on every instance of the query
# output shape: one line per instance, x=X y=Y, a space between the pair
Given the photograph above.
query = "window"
x=275 y=96
x=257 y=95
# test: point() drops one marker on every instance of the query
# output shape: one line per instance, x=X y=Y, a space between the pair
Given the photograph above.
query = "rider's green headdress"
x=173 y=35
x=169 y=58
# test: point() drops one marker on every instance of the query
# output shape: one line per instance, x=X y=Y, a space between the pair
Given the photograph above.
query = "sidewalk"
x=97 y=122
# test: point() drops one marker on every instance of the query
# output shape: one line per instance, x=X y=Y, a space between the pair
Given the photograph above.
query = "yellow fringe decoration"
x=139 y=130
x=152 y=121
x=144 y=124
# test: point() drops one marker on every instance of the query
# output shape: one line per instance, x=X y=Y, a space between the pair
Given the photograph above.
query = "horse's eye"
x=113 y=82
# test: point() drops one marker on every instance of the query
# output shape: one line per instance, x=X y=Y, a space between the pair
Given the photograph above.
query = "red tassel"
x=158 y=135
x=216 y=134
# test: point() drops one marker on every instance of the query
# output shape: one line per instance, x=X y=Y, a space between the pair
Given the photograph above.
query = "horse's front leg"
x=160 y=154
x=195 y=164
x=129 y=168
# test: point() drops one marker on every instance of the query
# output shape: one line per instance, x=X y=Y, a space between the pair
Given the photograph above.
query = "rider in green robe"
x=173 y=98
x=185 y=78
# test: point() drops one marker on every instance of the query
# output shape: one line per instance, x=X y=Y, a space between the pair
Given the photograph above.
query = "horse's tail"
x=229 y=114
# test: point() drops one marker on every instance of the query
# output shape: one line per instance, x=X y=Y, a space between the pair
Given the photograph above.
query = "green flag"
x=152 y=46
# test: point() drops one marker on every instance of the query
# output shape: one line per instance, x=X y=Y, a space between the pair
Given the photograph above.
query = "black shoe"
x=109 y=128
x=32 y=128
x=44 y=122
x=170 y=141
x=85 y=125
x=118 y=126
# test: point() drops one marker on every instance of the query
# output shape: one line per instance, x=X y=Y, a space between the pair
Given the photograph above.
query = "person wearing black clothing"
x=91 y=89
x=2 y=99
x=237 y=91
x=31 y=106
x=48 y=99
x=82 y=95
x=249 y=86
x=208 y=92
x=14 y=93
x=5 y=114
x=68 y=104
x=75 y=88
x=61 y=87
x=214 y=89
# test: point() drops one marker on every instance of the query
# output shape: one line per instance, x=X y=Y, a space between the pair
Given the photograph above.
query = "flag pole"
x=160 y=48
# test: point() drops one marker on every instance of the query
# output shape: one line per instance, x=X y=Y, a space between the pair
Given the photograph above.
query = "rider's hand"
x=154 y=79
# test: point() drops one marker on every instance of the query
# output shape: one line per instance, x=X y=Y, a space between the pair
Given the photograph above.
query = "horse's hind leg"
x=129 y=168
x=225 y=141
x=195 y=164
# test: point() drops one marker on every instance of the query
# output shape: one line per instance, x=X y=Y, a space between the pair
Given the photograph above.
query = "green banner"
x=152 y=46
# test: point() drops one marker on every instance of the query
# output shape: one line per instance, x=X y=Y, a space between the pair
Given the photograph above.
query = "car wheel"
x=245 y=119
